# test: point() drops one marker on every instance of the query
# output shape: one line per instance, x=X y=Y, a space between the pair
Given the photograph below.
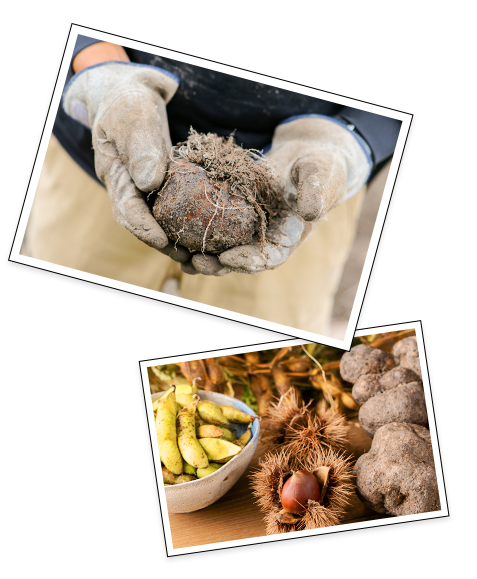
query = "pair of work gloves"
x=320 y=160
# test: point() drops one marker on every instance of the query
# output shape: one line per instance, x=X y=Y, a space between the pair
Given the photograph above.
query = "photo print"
x=290 y=439
x=210 y=187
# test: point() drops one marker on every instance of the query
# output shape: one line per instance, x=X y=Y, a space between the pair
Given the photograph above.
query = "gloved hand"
x=322 y=163
x=124 y=105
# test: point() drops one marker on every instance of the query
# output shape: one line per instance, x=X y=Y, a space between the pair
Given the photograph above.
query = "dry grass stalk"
x=295 y=427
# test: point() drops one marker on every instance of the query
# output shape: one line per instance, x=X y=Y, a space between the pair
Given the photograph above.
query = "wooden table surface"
x=235 y=516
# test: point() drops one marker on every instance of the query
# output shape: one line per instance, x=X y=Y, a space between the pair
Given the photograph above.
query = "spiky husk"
x=293 y=425
x=278 y=416
x=267 y=482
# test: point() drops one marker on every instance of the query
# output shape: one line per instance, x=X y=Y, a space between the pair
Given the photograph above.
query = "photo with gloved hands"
x=294 y=440
x=238 y=196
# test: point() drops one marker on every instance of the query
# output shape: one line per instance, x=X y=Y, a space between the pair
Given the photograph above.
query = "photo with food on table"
x=296 y=439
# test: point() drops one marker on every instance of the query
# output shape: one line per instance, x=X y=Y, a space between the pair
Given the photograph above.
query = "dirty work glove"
x=124 y=105
x=322 y=163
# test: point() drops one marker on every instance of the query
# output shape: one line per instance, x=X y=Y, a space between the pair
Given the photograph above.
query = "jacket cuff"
x=380 y=132
x=342 y=123
x=171 y=75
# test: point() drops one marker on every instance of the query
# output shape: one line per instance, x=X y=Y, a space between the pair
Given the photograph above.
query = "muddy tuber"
x=405 y=403
x=217 y=195
x=388 y=386
x=406 y=354
x=397 y=476
x=369 y=385
x=363 y=359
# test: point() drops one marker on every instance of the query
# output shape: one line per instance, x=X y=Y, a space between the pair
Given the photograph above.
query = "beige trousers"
x=71 y=224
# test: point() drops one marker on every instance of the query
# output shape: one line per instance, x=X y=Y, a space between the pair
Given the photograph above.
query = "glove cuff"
x=301 y=135
x=92 y=86
x=340 y=122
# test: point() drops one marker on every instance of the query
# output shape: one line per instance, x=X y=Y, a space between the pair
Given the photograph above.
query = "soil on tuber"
x=216 y=195
x=397 y=476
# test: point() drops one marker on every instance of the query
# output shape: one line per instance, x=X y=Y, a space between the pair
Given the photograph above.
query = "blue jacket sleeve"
x=381 y=133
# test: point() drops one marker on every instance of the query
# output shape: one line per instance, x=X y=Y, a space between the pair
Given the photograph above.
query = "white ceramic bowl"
x=200 y=493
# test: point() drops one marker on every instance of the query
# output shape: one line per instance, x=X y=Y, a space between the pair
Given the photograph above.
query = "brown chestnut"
x=301 y=487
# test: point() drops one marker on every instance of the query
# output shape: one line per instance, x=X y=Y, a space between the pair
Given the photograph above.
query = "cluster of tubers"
x=194 y=436
x=397 y=476
x=387 y=385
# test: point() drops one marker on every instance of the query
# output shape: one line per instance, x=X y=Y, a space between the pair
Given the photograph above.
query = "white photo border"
x=172 y=552
x=15 y=256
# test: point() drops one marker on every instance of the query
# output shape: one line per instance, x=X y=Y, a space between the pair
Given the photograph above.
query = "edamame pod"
x=213 y=466
x=211 y=413
x=219 y=450
x=166 y=433
x=235 y=415
x=184 y=389
x=246 y=436
x=191 y=450
x=228 y=434
x=170 y=478
x=184 y=398
x=209 y=431
x=188 y=469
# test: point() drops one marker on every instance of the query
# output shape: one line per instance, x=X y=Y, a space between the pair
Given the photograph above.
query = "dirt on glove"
x=216 y=195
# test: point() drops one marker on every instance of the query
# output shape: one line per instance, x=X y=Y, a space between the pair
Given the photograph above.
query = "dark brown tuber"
x=202 y=214
x=217 y=195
